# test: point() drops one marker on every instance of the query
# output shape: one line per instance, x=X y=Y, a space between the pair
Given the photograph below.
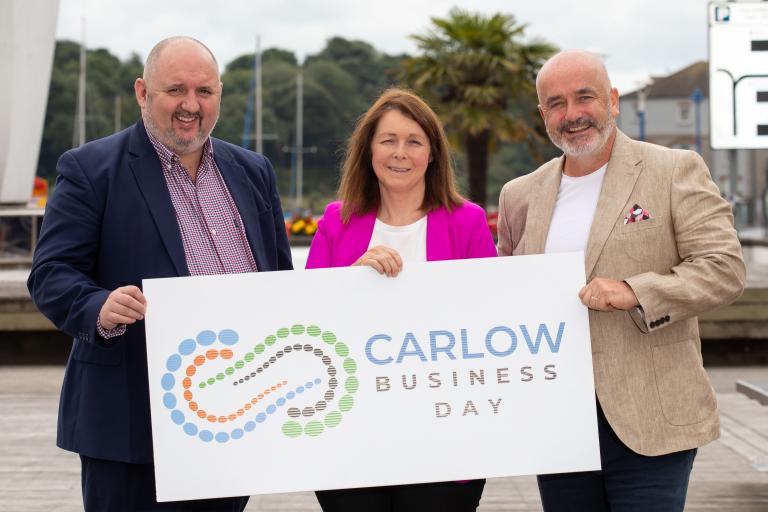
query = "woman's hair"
x=359 y=188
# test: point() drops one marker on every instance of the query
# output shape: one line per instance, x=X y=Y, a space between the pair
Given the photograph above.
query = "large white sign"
x=335 y=378
x=738 y=75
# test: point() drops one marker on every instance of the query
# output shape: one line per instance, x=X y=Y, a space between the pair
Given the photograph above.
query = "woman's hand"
x=384 y=259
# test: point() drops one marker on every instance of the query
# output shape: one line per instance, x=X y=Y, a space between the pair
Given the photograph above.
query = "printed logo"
x=272 y=397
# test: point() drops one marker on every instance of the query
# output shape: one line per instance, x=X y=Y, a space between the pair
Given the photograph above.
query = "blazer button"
x=666 y=318
x=653 y=324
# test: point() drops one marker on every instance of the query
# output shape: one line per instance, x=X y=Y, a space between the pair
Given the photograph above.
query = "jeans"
x=628 y=482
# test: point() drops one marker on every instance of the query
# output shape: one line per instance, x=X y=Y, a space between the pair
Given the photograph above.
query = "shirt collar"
x=167 y=155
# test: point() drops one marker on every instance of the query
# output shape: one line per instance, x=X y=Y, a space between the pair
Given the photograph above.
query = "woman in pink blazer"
x=451 y=235
x=399 y=203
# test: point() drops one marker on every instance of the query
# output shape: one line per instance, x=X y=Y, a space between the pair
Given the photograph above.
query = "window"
x=684 y=114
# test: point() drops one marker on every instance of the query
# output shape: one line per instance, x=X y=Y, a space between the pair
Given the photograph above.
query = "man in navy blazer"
x=121 y=212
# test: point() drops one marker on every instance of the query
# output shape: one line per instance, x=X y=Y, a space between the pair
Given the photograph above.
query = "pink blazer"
x=460 y=234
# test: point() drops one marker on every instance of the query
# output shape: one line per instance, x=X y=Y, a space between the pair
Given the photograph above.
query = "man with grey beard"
x=160 y=199
x=660 y=248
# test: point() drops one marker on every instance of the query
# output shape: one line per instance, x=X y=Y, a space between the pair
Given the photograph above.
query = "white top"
x=574 y=210
x=410 y=241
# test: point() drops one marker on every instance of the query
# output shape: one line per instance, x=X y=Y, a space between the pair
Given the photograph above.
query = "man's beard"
x=169 y=138
x=589 y=146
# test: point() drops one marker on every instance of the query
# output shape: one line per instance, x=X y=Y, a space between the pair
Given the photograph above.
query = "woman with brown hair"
x=398 y=202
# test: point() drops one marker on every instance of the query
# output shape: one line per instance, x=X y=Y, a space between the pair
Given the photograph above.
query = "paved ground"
x=756 y=259
x=730 y=474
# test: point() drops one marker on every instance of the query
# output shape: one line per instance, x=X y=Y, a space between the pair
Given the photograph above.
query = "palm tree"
x=480 y=76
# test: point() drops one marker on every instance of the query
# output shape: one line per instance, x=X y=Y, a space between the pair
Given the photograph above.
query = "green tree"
x=340 y=82
x=479 y=74
x=106 y=79
x=278 y=102
x=59 y=116
x=372 y=70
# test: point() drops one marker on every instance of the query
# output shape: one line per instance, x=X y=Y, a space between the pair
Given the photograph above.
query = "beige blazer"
x=684 y=260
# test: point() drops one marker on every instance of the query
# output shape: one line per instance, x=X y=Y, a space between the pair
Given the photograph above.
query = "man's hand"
x=125 y=305
x=602 y=294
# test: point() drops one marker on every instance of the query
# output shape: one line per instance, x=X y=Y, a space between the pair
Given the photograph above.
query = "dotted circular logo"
x=186 y=374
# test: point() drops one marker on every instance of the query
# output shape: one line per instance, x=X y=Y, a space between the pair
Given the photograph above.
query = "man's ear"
x=140 y=89
x=614 y=102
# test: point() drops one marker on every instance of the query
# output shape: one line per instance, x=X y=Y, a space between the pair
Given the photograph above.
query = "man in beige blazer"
x=660 y=248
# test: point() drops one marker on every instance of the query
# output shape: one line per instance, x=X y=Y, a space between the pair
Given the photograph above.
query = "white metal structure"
x=27 y=41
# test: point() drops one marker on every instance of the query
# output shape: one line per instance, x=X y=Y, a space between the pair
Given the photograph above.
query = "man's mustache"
x=582 y=122
x=184 y=113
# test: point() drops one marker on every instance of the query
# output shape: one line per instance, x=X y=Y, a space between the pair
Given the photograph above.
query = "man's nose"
x=190 y=103
x=572 y=111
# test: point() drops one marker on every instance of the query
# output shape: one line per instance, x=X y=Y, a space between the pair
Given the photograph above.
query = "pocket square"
x=636 y=214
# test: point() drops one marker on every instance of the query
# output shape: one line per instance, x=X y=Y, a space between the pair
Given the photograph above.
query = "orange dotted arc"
x=200 y=360
x=193 y=406
x=212 y=354
x=201 y=413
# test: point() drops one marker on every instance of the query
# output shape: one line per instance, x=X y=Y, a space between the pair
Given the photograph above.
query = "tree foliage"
x=340 y=83
x=479 y=73
x=106 y=80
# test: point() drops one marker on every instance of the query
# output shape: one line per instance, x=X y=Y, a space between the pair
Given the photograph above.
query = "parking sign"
x=738 y=75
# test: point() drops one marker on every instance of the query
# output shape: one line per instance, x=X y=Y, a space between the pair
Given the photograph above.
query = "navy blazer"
x=109 y=223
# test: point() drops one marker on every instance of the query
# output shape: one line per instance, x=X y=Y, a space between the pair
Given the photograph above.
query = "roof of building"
x=679 y=84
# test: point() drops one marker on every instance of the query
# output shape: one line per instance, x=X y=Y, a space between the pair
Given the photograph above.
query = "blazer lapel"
x=357 y=237
x=541 y=205
x=438 y=242
x=148 y=173
x=245 y=200
x=624 y=167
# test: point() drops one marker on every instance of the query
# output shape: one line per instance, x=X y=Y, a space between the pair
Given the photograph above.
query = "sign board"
x=738 y=75
x=337 y=378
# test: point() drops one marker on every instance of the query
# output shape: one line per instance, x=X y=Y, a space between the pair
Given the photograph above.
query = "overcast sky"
x=637 y=37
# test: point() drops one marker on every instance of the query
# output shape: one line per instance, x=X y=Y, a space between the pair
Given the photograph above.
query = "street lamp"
x=697 y=98
x=641 y=96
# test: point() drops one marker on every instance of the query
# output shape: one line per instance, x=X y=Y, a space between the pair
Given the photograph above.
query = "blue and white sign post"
x=738 y=75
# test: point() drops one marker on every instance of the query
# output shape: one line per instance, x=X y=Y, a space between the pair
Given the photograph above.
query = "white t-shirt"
x=410 y=241
x=574 y=210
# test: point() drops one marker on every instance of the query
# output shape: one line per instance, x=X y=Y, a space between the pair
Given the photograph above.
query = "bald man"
x=159 y=199
x=659 y=248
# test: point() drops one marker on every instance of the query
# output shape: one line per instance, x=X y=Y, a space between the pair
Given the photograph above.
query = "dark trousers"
x=432 y=497
x=628 y=482
x=120 y=487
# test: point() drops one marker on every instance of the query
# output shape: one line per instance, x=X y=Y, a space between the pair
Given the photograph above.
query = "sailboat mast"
x=78 y=138
x=299 y=137
x=258 y=110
